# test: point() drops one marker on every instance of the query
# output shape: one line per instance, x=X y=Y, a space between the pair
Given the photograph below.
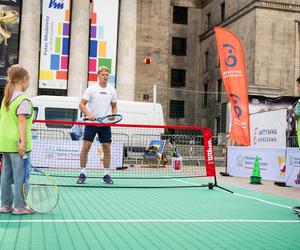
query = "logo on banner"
x=231 y=59
x=56 y=5
x=240 y=161
x=237 y=109
x=282 y=165
x=210 y=151
x=255 y=136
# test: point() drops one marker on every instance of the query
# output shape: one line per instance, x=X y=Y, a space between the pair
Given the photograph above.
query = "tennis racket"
x=109 y=119
x=39 y=189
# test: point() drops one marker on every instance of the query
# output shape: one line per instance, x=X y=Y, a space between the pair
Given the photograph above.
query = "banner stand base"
x=225 y=174
x=280 y=184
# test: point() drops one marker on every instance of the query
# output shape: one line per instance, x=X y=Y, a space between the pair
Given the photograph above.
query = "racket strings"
x=110 y=119
x=41 y=194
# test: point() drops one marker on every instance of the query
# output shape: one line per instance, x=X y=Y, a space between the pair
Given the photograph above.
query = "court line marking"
x=245 y=196
x=149 y=221
x=188 y=182
x=264 y=201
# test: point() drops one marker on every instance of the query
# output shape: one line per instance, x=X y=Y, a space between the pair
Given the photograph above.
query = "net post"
x=209 y=157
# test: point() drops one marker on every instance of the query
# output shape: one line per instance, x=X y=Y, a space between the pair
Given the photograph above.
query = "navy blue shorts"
x=104 y=134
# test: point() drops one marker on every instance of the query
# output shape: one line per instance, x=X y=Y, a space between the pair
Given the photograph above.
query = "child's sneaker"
x=6 y=209
x=20 y=211
x=107 y=179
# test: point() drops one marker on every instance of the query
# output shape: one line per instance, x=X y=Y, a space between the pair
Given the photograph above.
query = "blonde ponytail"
x=8 y=91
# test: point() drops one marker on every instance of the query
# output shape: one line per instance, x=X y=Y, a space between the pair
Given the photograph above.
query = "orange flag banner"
x=233 y=70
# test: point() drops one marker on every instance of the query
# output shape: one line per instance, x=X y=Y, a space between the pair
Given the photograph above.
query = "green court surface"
x=136 y=218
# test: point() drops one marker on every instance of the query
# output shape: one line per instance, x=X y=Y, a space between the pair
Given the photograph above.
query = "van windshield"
x=60 y=114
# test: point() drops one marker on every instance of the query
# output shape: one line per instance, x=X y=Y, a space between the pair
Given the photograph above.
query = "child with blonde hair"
x=16 y=115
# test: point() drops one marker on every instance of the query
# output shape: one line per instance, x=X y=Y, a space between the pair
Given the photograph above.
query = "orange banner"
x=233 y=70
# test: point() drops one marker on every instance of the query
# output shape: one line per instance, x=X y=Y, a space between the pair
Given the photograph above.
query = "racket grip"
x=25 y=155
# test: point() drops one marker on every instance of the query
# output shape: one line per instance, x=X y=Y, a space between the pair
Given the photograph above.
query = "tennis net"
x=137 y=151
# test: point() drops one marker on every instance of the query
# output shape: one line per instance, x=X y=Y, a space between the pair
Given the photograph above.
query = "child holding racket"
x=102 y=101
x=15 y=128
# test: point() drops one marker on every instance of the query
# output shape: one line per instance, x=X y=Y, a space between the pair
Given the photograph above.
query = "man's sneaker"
x=81 y=178
x=107 y=179
x=20 y=211
x=6 y=209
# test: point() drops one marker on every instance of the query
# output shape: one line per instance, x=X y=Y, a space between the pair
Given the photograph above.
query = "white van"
x=65 y=108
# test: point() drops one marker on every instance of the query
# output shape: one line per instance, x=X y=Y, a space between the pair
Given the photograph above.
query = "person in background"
x=102 y=101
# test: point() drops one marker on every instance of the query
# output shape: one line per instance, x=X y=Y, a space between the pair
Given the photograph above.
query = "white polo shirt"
x=100 y=99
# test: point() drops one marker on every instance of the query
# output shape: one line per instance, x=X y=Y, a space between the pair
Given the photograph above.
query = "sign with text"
x=55 y=40
x=272 y=162
x=66 y=154
x=268 y=129
x=293 y=167
x=103 y=38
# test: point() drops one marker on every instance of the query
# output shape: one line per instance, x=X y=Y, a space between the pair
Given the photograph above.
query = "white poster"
x=103 y=38
x=268 y=129
x=293 y=167
x=55 y=40
x=66 y=154
x=272 y=162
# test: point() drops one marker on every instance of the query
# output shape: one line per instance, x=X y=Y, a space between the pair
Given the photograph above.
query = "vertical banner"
x=233 y=73
x=103 y=38
x=55 y=40
x=9 y=36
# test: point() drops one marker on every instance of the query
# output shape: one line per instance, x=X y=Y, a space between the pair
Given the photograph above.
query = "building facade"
x=176 y=37
x=269 y=31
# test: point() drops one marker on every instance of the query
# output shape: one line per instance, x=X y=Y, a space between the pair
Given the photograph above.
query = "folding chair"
x=154 y=154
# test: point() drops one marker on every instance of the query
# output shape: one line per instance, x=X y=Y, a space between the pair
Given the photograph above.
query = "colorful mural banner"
x=233 y=71
x=103 y=38
x=55 y=40
x=9 y=36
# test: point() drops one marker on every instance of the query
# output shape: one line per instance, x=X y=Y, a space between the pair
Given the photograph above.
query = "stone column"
x=127 y=50
x=30 y=42
x=79 y=47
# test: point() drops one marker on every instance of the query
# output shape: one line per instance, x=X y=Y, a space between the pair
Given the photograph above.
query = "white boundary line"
x=245 y=196
x=149 y=221
x=264 y=201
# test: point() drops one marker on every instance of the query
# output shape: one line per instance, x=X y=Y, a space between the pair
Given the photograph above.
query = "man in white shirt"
x=102 y=101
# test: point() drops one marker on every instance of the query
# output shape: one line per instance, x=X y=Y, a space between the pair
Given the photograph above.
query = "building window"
x=222 y=11
x=219 y=90
x=217 y=125
x=180 y=15
x=206 y=61
x=176 y=109
x=177 y=77
x=178 y=46
x=205 y=95
x=208 y=21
